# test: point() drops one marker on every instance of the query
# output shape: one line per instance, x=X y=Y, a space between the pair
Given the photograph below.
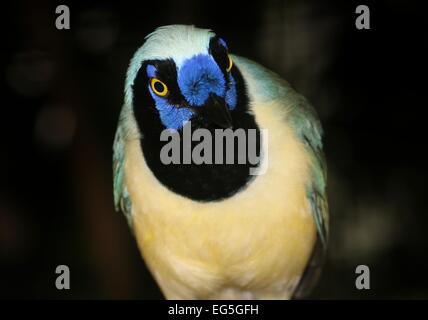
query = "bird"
x=214 y=230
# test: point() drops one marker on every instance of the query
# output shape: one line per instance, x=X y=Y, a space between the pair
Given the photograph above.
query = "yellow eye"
x=229 y=67
x=159 y=87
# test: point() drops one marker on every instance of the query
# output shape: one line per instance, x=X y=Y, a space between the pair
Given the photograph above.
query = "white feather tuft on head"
x=177 y=42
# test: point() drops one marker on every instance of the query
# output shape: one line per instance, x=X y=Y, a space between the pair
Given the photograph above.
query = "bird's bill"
x=216 y=111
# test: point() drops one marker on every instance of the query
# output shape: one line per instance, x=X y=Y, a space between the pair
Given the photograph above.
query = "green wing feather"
x=307 y=127
x=122 y=200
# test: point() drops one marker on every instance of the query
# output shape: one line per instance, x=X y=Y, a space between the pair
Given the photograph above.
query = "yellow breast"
x=258 y=241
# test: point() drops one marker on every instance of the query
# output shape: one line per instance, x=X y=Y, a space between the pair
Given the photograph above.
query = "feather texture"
x=122 y=200
x=255 y=244
x=302 y=117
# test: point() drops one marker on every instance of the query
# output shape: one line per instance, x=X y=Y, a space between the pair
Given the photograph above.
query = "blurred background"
x=61 y=92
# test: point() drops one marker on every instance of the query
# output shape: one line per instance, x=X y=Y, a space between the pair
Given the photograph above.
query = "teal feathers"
x=175 y=231
x=122 y=200
x=307 y=127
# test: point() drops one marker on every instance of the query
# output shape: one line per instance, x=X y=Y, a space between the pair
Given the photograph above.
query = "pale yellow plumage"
x=255 y=244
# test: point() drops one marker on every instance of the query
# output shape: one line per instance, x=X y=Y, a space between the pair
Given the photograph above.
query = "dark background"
x=61 y=93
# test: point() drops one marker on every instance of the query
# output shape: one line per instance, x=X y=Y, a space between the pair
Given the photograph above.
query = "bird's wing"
x=305 y=123
x=122 y=200
x=308 y=128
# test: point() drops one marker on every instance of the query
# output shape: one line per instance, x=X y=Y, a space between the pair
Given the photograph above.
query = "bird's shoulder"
x=269 y=86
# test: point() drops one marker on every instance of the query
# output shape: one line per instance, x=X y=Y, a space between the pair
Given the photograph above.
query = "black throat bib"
x=203 y=182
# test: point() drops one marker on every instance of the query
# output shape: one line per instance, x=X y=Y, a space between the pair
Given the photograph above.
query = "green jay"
x=214 y=230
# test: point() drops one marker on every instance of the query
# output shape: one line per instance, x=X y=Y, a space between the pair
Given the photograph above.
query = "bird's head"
x=183 y=72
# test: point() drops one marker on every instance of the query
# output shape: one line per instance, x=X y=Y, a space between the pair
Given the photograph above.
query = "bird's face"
x=196 y=80
x=184 y=74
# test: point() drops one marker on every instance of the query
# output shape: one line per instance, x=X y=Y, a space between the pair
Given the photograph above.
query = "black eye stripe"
x=219 y=53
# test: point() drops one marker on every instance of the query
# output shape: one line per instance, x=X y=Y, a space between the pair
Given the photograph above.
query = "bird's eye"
x=159 y=87
x=230 y=65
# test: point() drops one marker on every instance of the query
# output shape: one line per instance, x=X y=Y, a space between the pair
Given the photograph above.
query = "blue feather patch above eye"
x=222 y=42
x=151 y=71
x=198 y=77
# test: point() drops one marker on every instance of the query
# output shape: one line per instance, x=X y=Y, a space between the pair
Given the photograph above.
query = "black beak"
x=216 y=111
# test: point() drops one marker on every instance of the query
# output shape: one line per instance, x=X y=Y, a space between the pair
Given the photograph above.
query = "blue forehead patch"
x=198 y=77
